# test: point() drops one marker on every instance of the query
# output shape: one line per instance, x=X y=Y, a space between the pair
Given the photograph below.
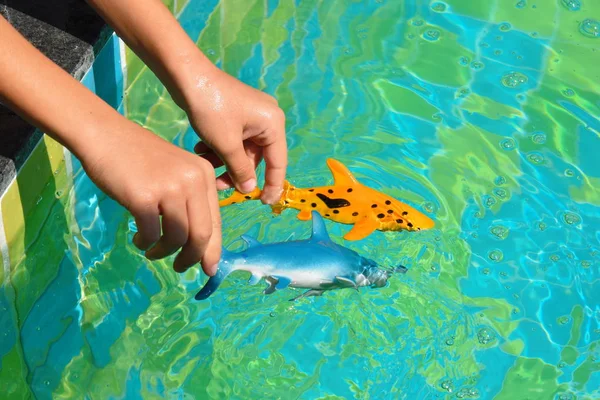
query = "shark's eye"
x=354 y=214
x=330 y=191
x=350 y=190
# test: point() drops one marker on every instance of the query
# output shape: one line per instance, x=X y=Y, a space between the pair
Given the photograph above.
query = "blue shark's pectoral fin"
x=311 y=292
x=250 y=241
x=319 y=231
x=346 y=282
x=254 y=279
x=276 y=283
x=326 y=283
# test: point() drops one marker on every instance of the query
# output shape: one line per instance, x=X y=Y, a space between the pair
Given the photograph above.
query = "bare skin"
x=238 y=125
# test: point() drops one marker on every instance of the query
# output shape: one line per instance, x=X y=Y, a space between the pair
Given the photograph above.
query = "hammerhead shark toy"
x=317 y=264
x=346 y=202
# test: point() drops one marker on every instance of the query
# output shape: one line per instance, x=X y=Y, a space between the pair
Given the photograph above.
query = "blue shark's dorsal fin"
x=254 y=279
x=250 y=241
x=319 y=231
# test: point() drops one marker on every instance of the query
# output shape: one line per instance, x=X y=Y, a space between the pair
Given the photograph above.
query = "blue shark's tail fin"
x=225 y=268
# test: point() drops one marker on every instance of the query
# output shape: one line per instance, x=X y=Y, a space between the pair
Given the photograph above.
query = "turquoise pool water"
x=482 y=114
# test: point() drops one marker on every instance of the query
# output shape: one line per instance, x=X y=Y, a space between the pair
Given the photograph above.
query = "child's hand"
x=239 y=125
x=152 y=178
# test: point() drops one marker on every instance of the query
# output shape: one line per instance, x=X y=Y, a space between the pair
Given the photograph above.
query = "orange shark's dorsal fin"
x=341 y=175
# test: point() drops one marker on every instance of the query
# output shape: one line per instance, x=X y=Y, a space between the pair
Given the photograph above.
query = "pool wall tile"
x=35 y=205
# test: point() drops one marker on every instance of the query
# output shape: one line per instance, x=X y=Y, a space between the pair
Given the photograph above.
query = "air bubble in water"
x=417 y=22
x=514 y=79
x=501 y=193
x=485 y=336
x=211 y=52
x=507 y=144
x=590 y=28
x=464 y=61
x=521 y=4
x=489 y=201
x=538 y=138
x=439 y=7
x=569 y=92
x=566 y=396
x=431 y=34
x=495 y=255
x=501 y=232
x=505 y=26
x=535 y=158
x=447 y=386
x=563 y=320
x=428 y=206
x=499 y=181
x=477 y=65
x=572 y=5
x=571 y=218
x=569 y=173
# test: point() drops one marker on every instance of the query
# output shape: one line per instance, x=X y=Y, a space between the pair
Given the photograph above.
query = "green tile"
x=12 y=375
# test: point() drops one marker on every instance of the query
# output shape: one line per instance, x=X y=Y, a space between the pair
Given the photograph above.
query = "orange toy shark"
x=347 y=202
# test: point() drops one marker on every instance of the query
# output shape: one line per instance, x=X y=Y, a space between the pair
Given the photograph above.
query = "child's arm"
x=123 y=159
x=239 y=125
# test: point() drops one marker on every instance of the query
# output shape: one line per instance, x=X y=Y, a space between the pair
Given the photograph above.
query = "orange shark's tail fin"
x=237 y=197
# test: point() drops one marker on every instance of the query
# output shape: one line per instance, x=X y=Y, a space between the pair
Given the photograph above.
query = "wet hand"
x=239 y=126
x=152 y=179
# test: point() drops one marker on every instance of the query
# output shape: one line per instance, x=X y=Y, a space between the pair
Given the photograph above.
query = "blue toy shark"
x=317 y=264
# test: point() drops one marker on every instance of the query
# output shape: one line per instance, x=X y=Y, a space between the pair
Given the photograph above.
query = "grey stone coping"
x=68 y=32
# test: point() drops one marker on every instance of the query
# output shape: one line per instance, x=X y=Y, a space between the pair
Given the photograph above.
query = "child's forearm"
x=153 y=33
x=49 y=98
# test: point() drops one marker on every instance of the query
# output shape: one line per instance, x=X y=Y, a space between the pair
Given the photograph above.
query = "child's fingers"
x=148 y=226
x=175 y=227
x=200 y=232
x=210 y=260
x=275 y=154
